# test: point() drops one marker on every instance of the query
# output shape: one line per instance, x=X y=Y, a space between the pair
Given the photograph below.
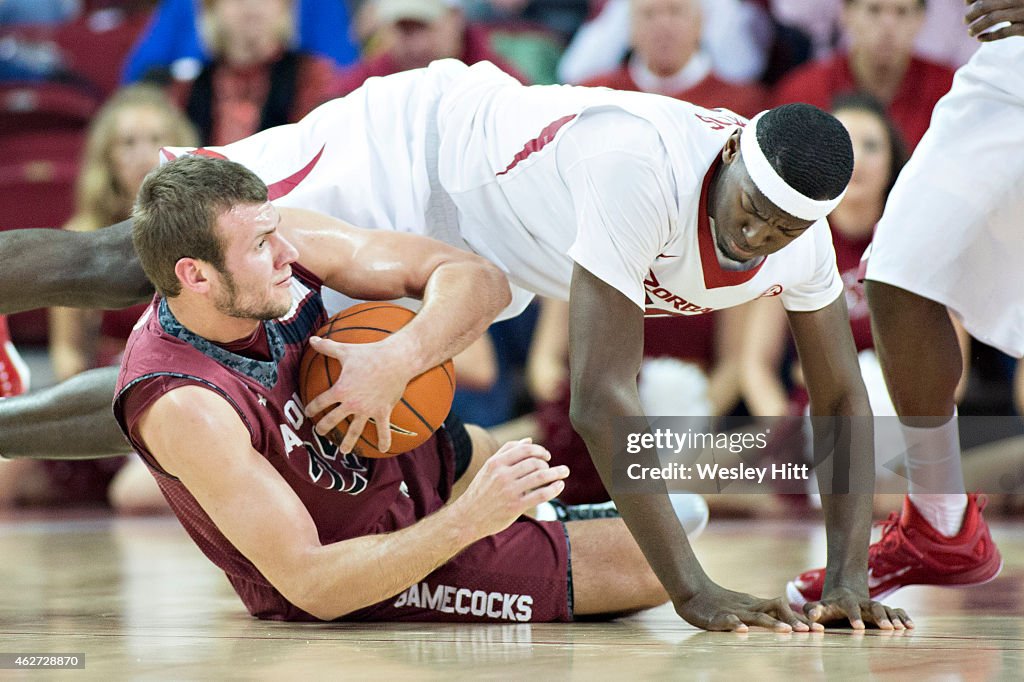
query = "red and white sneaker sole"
x=797 y=600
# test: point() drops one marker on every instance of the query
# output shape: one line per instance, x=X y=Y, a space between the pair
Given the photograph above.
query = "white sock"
x=690 y=509
x=936 y=476
x=692 y=512
x=545 y=512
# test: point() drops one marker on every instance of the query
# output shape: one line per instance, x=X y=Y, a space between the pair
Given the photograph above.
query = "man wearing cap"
x=417 y=32
x=625 y=204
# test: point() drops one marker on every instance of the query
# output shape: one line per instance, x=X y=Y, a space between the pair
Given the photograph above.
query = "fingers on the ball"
x=323 y=345
x=322 y=402
x=355 y=430
x=331 y=419
x=383 y=425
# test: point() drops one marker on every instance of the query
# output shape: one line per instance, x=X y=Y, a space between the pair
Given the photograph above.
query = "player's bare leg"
x=44 y=268
x=484 y=445
x=71 y=420
x=609 y=572
x=918 y=349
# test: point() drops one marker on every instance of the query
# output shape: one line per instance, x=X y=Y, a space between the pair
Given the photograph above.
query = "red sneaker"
x=911 y=552
x=13 y=370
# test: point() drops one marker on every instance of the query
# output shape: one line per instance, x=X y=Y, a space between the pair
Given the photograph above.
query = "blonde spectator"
x=121 y=147
x=255 y=80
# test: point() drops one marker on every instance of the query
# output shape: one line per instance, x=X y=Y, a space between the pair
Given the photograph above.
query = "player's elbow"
x=487 y=279
x=315 y=605
x=308 y=584
x=311 y=593
x=493 y=281
x=589 y=412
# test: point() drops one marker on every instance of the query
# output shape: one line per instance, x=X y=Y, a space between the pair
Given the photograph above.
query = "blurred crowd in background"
x=91 y=89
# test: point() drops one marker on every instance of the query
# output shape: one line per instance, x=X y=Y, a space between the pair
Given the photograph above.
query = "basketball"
x=427 y=398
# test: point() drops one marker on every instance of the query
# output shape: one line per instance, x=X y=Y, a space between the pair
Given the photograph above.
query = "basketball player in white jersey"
x=626 y=204
x=949 y=243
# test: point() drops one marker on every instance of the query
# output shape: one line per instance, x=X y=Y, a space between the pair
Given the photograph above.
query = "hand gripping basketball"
x=358 y=379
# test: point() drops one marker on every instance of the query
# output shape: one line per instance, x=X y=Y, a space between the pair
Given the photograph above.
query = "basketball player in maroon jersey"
x=207 y=396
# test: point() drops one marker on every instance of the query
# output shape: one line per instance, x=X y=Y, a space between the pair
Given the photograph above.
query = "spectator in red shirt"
x=413 y=34
x=667 y=59
x=879 y=60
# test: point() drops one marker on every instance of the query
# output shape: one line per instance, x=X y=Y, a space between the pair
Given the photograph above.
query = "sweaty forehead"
x=256 y=215
x=242 y=222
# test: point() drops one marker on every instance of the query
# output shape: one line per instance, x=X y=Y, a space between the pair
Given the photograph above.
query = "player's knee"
x=484 y=444
x=135 y=491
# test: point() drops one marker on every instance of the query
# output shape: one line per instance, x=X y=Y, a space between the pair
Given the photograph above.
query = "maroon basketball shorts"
x=522 y=574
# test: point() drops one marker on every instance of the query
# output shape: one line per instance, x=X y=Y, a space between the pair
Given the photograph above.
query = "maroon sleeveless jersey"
x=347 y=496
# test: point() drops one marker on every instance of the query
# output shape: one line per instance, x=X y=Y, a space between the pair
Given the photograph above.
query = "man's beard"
x=227 y=303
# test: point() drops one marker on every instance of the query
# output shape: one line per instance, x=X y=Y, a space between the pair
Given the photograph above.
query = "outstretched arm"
x=45 y=268
x=71 y=420
x=605 y=352
x=829 y=360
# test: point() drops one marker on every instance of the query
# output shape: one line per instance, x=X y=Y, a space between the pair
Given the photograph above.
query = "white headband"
x=772 y=186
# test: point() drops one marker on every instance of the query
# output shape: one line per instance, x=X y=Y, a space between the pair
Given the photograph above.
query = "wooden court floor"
x=137 y=598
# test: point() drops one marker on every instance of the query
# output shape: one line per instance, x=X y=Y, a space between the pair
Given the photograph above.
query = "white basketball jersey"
x=503 y=162
x=469 y=156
